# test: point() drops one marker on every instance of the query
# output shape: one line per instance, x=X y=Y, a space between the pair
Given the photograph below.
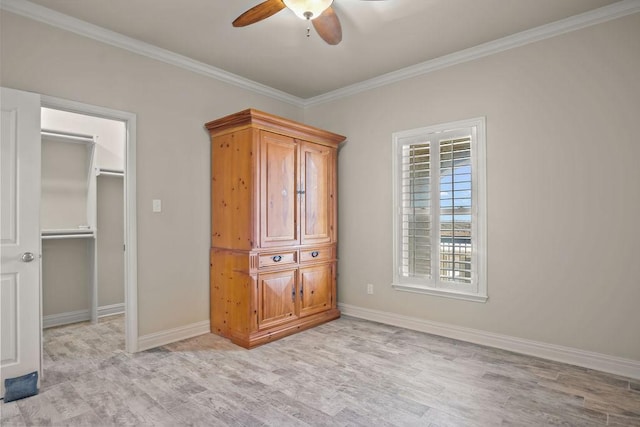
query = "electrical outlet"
x=157 y=205
x=370 y=288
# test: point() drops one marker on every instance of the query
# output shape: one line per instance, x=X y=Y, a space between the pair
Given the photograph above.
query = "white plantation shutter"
x=455 y=210
x=416 y=211
x=439 y=196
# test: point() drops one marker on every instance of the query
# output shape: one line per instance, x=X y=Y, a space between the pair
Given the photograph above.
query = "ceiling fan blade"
x=259 y=12
x=328 y=26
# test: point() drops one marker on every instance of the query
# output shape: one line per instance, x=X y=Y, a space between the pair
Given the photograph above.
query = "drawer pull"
x=277 y=258
x=314 y=254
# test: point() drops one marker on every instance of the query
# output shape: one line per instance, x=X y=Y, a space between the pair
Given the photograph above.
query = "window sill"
x=420 y=289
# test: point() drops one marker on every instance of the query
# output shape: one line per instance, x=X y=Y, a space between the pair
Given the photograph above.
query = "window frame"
x=475 y=128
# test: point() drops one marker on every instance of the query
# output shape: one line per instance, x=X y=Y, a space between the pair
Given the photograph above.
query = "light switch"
x=157 y=205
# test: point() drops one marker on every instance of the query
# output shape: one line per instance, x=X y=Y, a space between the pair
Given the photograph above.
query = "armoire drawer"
x=277 y=258
x=316 y=254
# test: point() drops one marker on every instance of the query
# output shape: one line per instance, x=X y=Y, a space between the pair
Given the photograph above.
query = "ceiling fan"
x=319 y=12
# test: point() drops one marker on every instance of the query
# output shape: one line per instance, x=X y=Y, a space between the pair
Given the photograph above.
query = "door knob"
x=28 y=257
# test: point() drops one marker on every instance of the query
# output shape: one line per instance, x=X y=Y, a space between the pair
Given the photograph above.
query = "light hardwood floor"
x=348 y=372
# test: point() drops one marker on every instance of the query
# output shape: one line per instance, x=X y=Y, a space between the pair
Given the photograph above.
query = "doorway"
x=21 y=238
x=105 y=139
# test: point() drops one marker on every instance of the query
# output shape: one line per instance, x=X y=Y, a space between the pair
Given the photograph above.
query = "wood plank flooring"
x=348 y=372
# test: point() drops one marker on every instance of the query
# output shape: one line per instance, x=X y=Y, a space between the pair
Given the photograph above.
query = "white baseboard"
x=601 y=362
x=111 y=310
x=158 y=339
x=65 y=318
x=80 y=315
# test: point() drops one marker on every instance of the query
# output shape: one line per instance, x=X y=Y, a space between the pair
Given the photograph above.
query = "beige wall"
x=66 y=289
x=110 y=213
x=172 y=105
x=563 y=188
x=64 y=190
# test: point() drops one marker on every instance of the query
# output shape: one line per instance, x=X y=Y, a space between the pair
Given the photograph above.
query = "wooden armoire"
x=273 y=227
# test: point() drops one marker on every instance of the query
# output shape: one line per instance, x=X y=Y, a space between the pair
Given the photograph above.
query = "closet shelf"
x=68 y=233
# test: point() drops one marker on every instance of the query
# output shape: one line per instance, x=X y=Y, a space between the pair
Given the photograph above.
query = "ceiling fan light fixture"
x=308 y=9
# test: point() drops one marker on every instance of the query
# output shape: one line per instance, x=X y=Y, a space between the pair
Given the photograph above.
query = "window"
x=440 y=210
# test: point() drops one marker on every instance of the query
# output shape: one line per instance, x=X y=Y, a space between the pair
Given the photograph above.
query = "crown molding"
x=80 y=27
x=65 y=22
x=583 y=20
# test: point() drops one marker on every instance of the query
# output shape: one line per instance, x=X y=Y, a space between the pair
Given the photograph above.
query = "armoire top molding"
x=261 y=120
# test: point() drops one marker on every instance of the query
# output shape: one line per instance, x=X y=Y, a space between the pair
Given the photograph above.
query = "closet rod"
x=71 y=137
x=110 y=172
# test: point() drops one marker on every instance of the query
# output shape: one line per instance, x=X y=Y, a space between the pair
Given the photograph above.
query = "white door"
x=20 y=234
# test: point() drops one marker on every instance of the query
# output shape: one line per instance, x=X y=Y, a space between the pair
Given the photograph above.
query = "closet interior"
x=82 y=217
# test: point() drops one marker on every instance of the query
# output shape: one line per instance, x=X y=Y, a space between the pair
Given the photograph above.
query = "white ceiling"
x=378 y=36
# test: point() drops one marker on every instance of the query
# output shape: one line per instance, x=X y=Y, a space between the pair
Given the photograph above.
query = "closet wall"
x=110 y=213
x=71 y=265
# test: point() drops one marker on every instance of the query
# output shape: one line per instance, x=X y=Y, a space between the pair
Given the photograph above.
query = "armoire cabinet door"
x=279 y=199
x=317 y=181
x=276 y=298
x=316 y=285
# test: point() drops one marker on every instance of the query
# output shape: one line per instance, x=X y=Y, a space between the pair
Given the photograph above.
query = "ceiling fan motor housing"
x=308 y=9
